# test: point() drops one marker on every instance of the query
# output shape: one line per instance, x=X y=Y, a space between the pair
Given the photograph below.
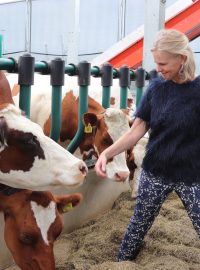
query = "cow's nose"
x=121 y=176
x=83 y=169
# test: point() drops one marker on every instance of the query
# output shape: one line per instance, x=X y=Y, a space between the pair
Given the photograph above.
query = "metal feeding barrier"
x=26 y=67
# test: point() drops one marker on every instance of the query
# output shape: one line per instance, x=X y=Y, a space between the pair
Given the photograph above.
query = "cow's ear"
x=3 y=131
x=130 y=102
x=90 y=118
x=112 y=101
x=90 y=122
x=131 y=121
x=66 y=203
x=15 y=90
x=126 y=111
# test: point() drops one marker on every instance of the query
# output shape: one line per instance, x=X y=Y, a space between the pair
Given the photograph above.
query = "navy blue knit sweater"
x=173 y=114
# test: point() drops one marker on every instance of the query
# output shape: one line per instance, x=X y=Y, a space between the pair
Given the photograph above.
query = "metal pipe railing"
x=84 y=70
x=106 y=82
x=140 y=83
x=26 y=67
x=124 y=82
x=57 y=71
x=25 y=80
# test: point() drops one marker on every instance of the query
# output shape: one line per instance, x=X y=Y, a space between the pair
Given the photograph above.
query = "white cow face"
x=109 y=126
x=31 y=160
x=117 y=124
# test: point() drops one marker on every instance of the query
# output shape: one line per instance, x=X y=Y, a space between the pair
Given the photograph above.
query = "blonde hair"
x=177 y=43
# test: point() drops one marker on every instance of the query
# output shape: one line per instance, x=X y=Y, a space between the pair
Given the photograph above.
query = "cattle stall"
x=99 y=195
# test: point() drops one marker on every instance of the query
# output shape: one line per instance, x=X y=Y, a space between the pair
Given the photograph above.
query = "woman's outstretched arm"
x=125 y=142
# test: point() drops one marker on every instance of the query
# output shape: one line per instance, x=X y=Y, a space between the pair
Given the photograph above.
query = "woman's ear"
x=184 y=59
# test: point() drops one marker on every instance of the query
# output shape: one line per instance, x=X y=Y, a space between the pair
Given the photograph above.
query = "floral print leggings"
x=152 y=193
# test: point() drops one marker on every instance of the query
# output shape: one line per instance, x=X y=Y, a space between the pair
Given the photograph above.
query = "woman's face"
x=168 y=65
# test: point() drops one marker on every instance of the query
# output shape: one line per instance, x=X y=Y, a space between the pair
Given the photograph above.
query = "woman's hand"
x=128 y=140
x=100 y=166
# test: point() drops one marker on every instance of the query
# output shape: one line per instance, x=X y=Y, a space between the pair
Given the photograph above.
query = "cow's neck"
x=7 y=191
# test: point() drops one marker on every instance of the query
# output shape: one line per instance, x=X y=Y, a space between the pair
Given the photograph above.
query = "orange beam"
x=187 y=21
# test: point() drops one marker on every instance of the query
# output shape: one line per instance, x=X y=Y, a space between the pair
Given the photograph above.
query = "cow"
x=26 y=153
x=139 y=153
x=33 y=221
x=102 y=126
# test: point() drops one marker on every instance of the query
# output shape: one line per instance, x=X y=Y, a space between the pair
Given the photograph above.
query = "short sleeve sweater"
x=173 y=113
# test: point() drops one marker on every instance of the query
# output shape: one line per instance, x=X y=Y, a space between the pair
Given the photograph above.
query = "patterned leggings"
x=151 y=195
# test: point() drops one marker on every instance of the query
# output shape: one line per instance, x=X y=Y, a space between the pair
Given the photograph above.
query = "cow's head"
x=26 y=154
x=101 y=131
x=33 y=221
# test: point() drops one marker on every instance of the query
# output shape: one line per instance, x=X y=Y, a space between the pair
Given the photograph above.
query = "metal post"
x=84 y=71
x=106 y=82
x=72 y=34
x=1 y=45
x=28 y=25
x=154 y=21
x=139 y=82
x=124 y=82
x=57 y=71
x=121 y=19
x=25 y=80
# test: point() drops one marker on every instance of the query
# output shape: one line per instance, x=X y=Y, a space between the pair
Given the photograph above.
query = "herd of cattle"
x=30 y=160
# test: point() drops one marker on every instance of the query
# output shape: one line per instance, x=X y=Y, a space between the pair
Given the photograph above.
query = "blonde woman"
x=170 y=108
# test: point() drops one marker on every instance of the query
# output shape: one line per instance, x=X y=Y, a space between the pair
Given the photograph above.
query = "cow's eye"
x=28 y=139
x=31 y=140
x=107 y=140
x=7 y=214
x=27 y=238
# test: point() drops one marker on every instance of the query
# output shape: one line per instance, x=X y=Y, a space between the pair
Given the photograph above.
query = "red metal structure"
x=187 y=21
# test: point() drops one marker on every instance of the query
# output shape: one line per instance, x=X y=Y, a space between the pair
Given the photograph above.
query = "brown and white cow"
x=103 y=126
x=26 y=153
x=33 y=221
